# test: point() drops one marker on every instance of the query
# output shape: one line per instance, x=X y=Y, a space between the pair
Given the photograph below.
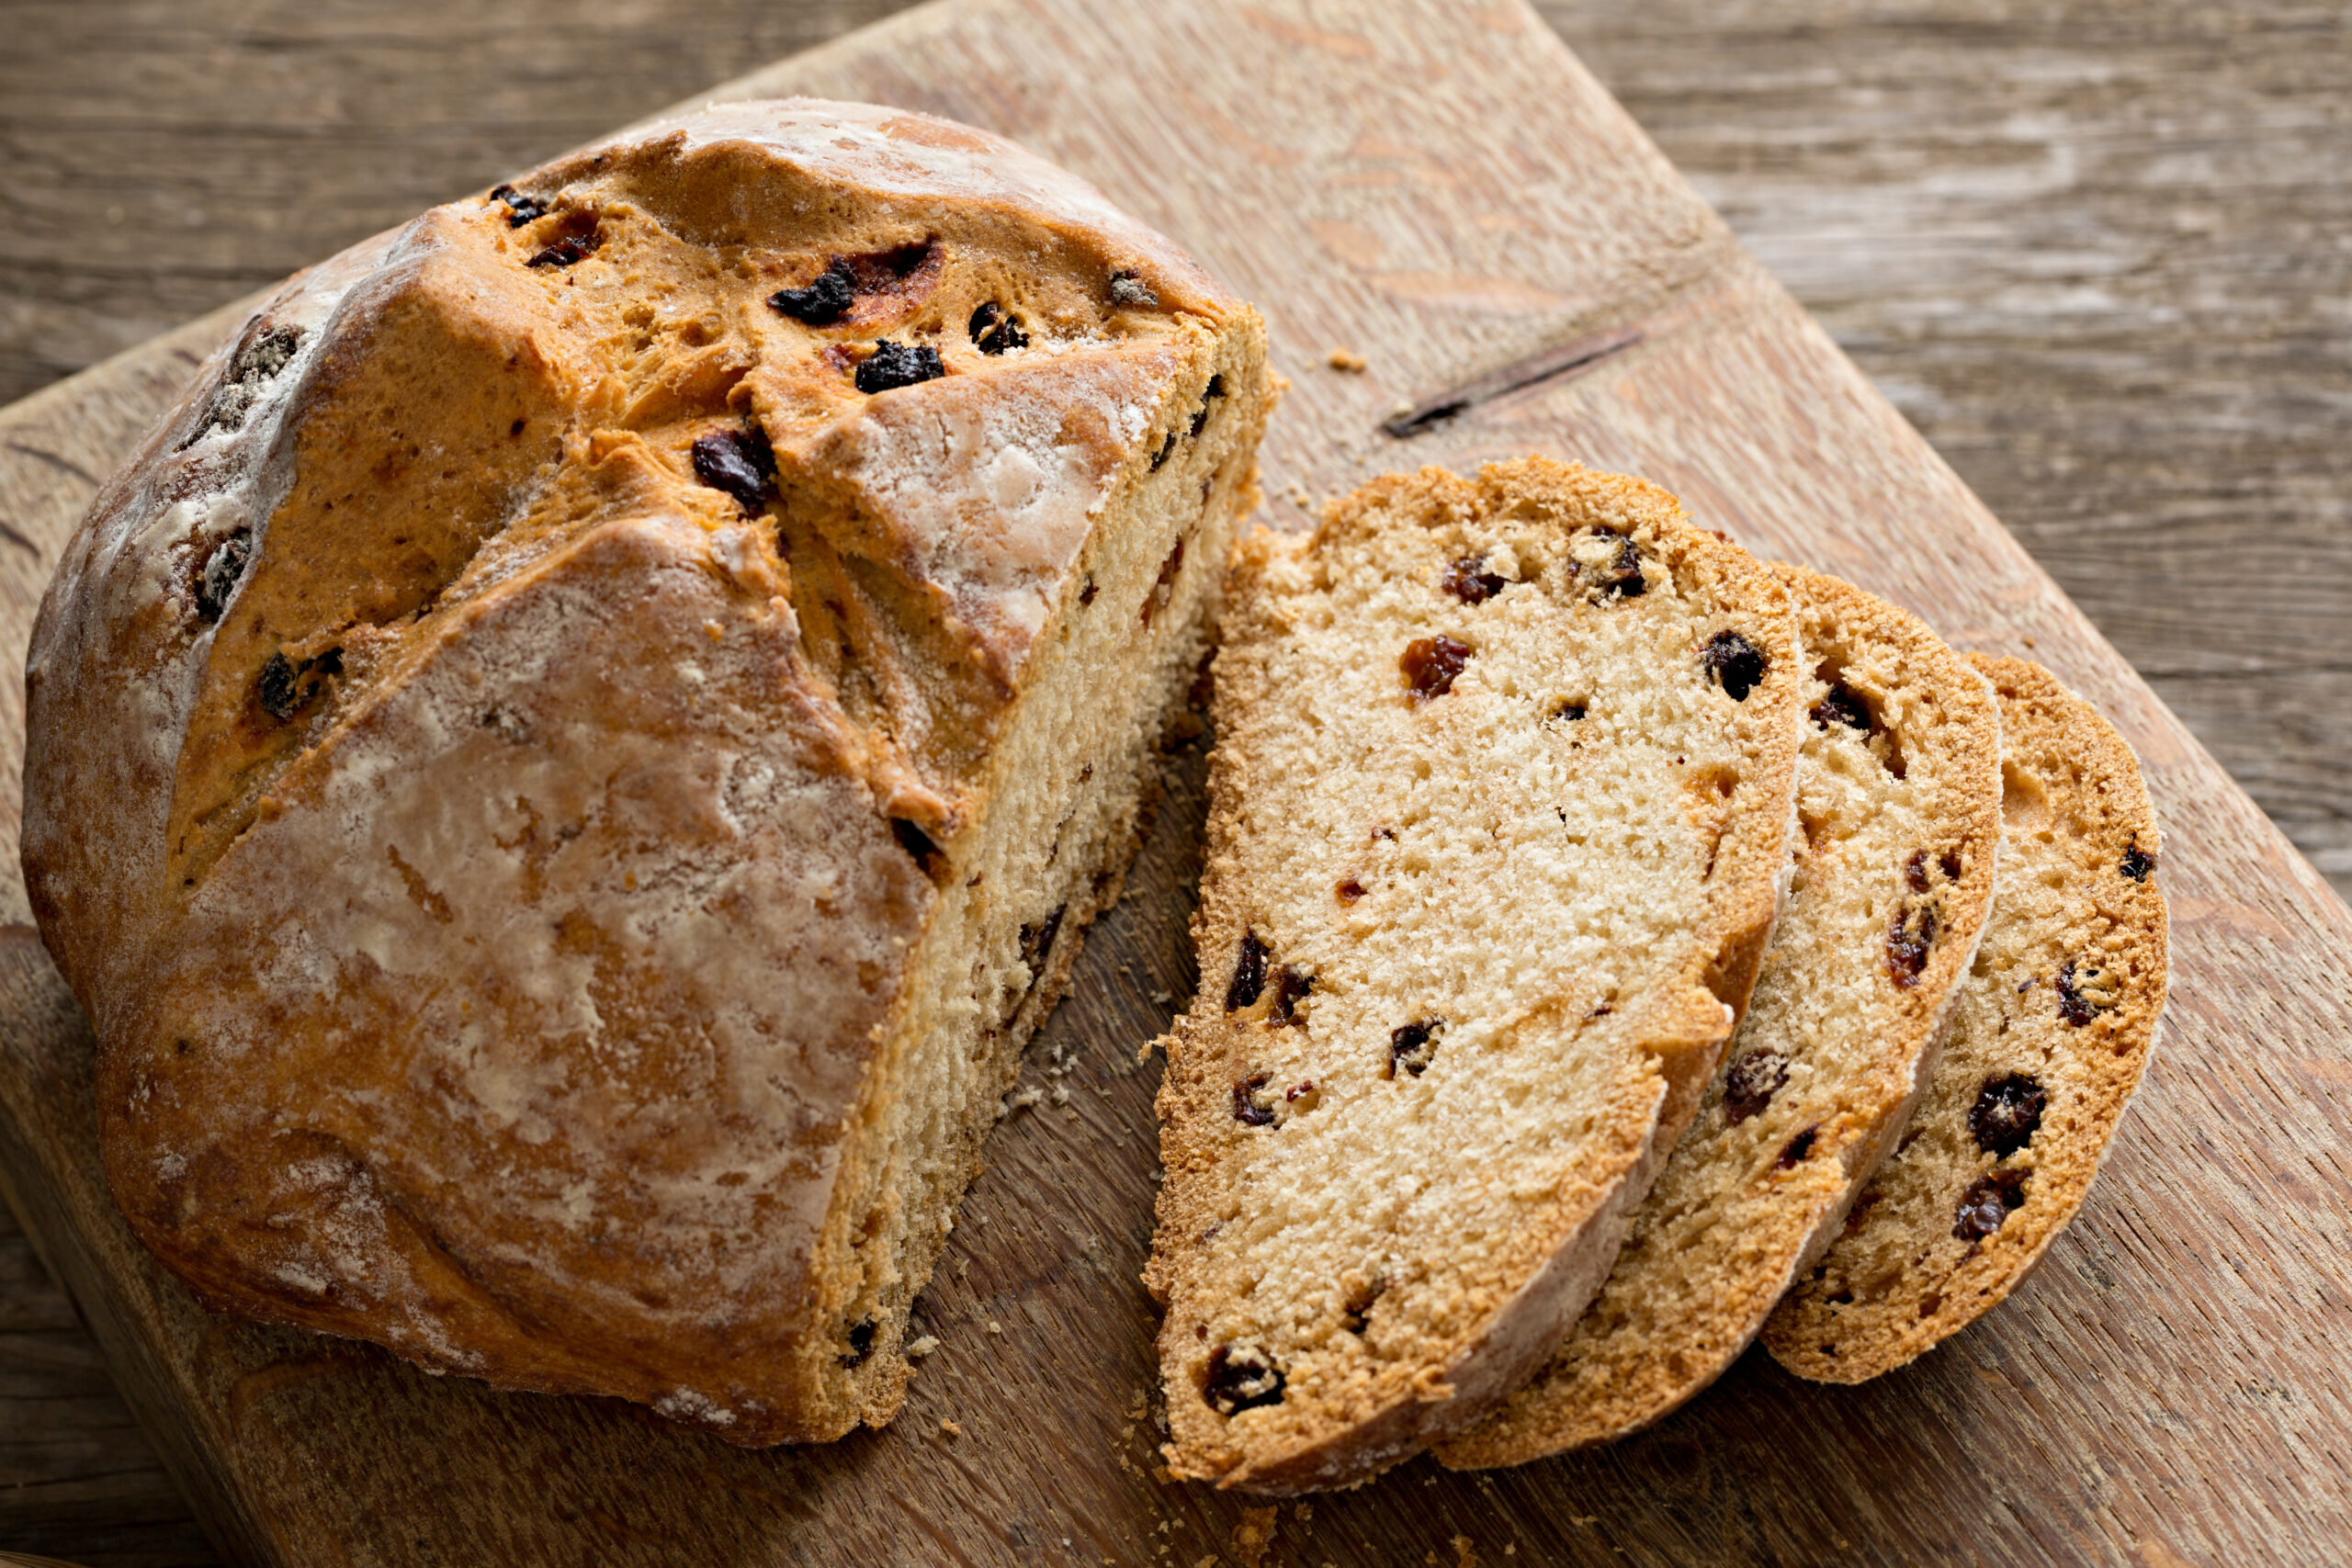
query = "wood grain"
x=1447 y=193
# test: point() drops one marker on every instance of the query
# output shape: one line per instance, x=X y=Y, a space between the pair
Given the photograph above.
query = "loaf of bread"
x=1899 y=804
x=2048 y=1039
x=564 y=772
x=1499 y=802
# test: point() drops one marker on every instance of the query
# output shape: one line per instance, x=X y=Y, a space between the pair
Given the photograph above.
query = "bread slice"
x=1899 y=797
x=566 y=907
x=2048 y=1039
x=1500 y=800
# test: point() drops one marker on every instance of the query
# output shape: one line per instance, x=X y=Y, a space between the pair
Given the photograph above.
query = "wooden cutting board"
x=1444 y=191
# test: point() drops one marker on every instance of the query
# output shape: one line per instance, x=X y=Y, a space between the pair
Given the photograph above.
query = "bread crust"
x=520 y=823
x=2065 y=995
x=1719 y=1240
x=1342 y=1422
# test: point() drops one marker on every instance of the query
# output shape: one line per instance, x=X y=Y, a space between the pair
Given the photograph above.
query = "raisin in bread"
x=1899 y=803
x=564 y=772
x=1500 y=799
x=2048 y=1039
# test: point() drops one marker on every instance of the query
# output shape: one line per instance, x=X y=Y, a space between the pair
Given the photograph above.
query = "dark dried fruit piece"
x=1990 y=1200
x=1355 y=1312
x=1241 y=1380
x=1159 y=458
x=896 y=365
x=280 y=696
x=2006 y=1115
x=1216 y=389
x=1843 y=706
x=520 y=208
x=1607 y=565
x=286 y=688
x=1734 y=664
x=1247 y=1108
x=1430 y=665
x=738 y=461
x=1291 y=987
x=1414 y=1047
x=1915 y=871
x=2138 y=862
x=1799 y=1147
x=2083 y=994
x=222 y=571
x=1037 y=941
x=1569 y=711
x=1350 y=890
x=1248 y=974
x=861 y=1345
x=257 y=363
x=1469 y=581
x=570 y=251
x=826 y=300
x=995 y=328
x=1751 y=1083
x=1126 y=289
x=1909 y=935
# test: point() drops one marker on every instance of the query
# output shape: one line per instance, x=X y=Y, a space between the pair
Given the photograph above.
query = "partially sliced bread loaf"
x=1899 y=797
x=2047 y=1041
x=1504 y=775
x=567 y=768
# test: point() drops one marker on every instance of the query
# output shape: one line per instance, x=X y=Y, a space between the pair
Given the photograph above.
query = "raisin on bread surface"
x=1899 y=812
x=565 y=772
x=1500 y=797
x=2048 y=1038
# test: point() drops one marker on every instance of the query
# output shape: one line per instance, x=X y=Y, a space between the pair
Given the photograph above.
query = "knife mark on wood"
x=1561 y=362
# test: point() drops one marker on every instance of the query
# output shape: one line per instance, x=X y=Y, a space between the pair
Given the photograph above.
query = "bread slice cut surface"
x=1501 y=787
x=2049 y=1037
x=1898 y=803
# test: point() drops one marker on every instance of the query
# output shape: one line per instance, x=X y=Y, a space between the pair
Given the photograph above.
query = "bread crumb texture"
x=1500 y=798
x=2049 y=1037
x=1898 y=803
x=612 y=705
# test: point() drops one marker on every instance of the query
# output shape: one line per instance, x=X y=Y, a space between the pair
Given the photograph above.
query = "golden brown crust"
x=1835 y=1051
x=1443 y=1328
x=2048 y=1040
x=520 y=822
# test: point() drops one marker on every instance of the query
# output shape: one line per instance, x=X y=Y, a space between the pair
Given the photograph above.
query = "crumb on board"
x=1022 y=1100
x=995 y=1327
x=1252 y=1536
x=948 y=1429
x=1347 y=360
x=923 y=1347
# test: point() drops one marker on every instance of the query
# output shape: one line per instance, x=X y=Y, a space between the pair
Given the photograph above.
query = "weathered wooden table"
x=2093 y=254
